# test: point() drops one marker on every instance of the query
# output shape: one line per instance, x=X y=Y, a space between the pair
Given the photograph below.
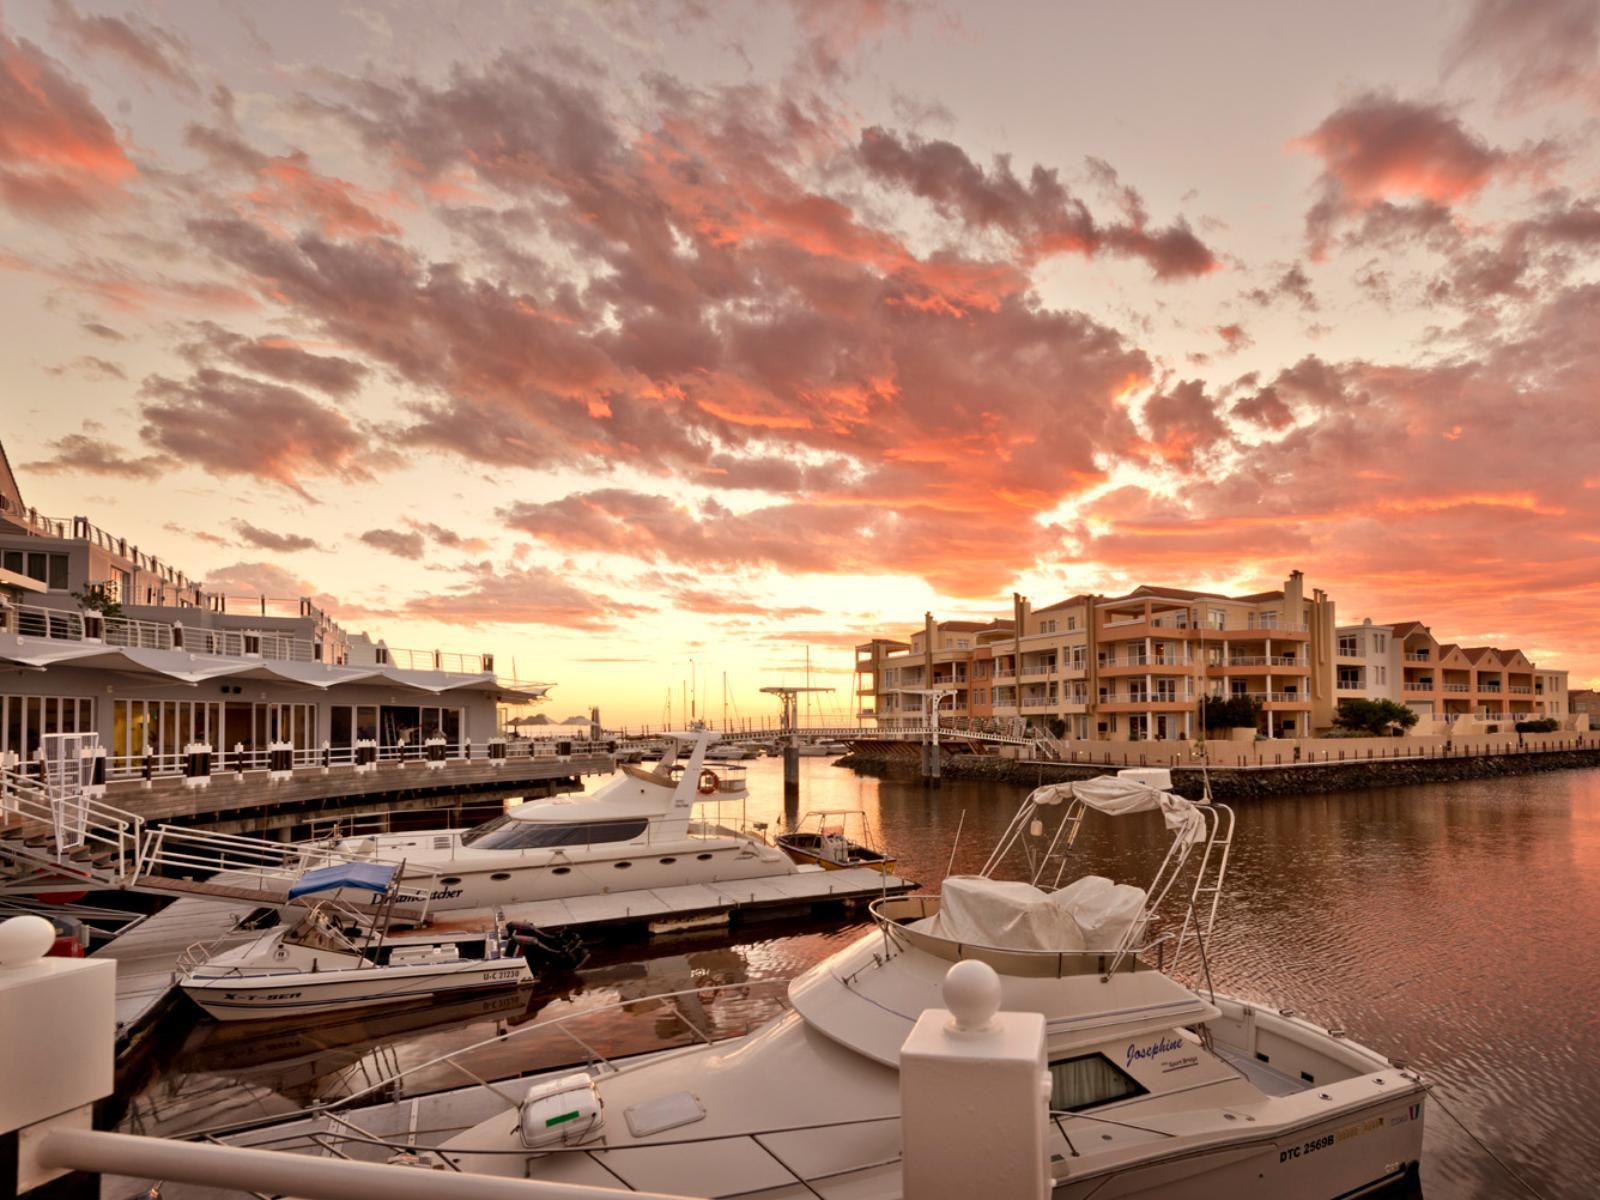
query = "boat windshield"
x=508 y=833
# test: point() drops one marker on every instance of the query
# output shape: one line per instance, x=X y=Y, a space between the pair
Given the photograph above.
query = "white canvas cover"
x=1116 y=796
x=1090 y=914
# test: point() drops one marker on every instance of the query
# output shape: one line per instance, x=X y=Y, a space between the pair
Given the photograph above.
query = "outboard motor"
x=546 y=950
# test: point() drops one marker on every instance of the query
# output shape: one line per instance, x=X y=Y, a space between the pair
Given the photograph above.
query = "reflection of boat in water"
x=834 y=839
x=330 y=960
x=1157 y=1089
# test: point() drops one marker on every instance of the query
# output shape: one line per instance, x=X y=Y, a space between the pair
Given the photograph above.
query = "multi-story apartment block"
x=99 y=636
x=1125 y=668
x=1585 y=701
x=1444 y=683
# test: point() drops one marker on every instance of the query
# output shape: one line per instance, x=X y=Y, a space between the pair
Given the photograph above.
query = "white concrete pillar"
x=974 y=1096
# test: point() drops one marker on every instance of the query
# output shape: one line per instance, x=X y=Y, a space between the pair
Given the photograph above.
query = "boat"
x=333 y=958
x=821 y=749
x=731 y=752
x=649 y=827
x=824 y=837
x=1158 y=1087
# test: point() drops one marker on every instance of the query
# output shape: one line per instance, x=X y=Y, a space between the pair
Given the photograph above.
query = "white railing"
x=435 y=660
x=32 y=620
x=1520 y=690
x=235 y=643
x=1418 y=658
x=136 y=635
x=1458 y=687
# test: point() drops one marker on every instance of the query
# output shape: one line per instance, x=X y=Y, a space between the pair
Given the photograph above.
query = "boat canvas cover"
x=1117 y=797
x=370 y=876
x=1092 y=913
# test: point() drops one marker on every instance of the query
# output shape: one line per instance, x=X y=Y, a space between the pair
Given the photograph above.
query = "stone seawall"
x=1246 y=783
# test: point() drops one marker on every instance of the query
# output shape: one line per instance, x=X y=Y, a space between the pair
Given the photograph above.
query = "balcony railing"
x=67 y=625
x=1520 y=690
x=1419 y=658
x=1261 y=660
x=1488 y=687
x=1458 y=687
x=1419 y=685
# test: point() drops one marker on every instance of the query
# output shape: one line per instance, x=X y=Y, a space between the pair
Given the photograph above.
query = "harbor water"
x=1455 y=926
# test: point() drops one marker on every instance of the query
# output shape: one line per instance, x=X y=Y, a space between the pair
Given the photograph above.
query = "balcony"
x=127 y=633
x=1458 y=687
x=1492 y=688
x=1422 y=658
x=1419 y=685
x=1519 y=690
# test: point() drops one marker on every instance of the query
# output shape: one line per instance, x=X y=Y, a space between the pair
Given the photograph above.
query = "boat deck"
x=807 y=887
x=1268 y=1080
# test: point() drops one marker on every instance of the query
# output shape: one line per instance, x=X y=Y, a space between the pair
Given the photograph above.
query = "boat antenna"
x=1205 y=684
x=951 y=865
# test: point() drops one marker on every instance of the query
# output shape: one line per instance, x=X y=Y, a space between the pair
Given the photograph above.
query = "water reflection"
x=1456 y=926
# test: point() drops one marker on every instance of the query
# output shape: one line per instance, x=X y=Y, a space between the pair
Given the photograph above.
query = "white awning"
x=1116 y=797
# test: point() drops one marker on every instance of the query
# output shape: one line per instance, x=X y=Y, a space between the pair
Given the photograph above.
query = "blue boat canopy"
x=373 y=877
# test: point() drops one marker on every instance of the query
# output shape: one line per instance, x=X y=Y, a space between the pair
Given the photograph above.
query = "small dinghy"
x=834 y=839
x=333 y=958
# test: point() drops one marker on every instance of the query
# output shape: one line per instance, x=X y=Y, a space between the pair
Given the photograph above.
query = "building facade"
x=1451 y=688
x=1123 y=668
x=97 y=635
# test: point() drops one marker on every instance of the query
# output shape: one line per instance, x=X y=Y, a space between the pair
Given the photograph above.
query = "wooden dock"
x=147 y=952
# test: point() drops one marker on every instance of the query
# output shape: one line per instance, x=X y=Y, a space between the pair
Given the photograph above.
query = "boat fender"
x=561 y=1112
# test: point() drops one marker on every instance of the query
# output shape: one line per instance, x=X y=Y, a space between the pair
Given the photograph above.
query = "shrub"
x=1539 y=725
x=1235 y=712
x=1374 y=718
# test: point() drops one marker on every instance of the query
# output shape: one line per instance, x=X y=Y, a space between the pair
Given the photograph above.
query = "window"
x=1349 y=678
x=508 y=833
x=25 y=719
x=48 y=569
x=1269 y=620
x=963 y=644
x=1349 y=645
x=1383 y=676
x=1072 y=623
x=1218 y=618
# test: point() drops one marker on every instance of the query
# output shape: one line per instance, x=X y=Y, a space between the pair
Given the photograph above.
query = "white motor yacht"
x=1158 y=1088
x=638 y=831
x=333 y=958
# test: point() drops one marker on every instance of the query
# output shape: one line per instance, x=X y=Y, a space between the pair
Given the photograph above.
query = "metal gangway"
x=58 y=835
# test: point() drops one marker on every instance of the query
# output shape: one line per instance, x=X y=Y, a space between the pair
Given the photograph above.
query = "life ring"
x=708 y=781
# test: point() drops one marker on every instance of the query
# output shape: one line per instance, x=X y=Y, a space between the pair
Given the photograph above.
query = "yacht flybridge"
x=639 y=831
x=1157 y=1088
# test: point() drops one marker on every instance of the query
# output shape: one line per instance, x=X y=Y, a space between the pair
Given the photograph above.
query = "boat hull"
x=305 y=993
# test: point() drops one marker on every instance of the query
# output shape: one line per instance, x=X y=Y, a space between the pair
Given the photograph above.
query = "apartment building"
x=1448 y=686
x=897 y=674
x=1124 y=668
x=1585 y=701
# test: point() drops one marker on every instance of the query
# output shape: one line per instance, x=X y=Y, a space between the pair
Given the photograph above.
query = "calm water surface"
x=1454 y=925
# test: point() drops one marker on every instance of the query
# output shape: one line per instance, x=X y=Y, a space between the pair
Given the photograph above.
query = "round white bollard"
x=24 y=940
x=971 y=992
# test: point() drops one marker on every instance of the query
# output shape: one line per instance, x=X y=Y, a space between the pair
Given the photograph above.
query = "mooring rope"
x=1433 y=1091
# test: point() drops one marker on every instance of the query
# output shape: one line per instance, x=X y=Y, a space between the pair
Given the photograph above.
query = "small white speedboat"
x=332 y=960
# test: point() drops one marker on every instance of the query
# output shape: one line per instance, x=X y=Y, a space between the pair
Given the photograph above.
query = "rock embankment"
x=1247 y=783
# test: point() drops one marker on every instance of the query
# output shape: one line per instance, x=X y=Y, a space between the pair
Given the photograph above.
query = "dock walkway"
x=147 y=952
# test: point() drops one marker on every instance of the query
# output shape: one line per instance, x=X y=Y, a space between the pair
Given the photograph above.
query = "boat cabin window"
x=508 y=833
x=1087 y=1081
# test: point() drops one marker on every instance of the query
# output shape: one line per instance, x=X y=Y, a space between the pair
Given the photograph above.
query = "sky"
x=633 y=339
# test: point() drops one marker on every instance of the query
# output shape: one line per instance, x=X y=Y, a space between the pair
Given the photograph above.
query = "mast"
x=808 y=685
x=724 y=702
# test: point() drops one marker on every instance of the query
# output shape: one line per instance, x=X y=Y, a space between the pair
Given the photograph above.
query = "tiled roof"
x=1069 y=603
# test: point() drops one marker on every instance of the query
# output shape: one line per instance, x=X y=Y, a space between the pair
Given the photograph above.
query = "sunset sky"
x=611 y=335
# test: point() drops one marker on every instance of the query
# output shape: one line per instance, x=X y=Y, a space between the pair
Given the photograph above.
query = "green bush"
x=1373 y=718
x=1235 y=712
x=1539 y=725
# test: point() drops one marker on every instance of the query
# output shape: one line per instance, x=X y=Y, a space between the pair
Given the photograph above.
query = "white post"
x=974 y=1096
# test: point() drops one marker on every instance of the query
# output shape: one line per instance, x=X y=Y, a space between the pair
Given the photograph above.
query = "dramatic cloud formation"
x=391 y=541
x=235 y=425
x=59 y=157
x=265 y=539
x=82 y=453
x=600 y=341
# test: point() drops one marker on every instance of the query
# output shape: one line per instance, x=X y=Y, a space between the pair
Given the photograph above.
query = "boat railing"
x=734 y=1009
x=894 y=914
